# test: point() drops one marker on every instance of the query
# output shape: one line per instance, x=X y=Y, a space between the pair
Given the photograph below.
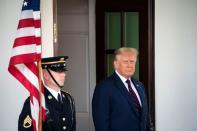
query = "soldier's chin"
x=61 y=86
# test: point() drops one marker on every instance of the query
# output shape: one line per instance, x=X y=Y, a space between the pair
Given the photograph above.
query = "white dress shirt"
x=53 y=92
x=123 y=79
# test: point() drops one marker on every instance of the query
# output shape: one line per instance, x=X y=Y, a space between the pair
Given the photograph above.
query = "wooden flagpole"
x=40 y=95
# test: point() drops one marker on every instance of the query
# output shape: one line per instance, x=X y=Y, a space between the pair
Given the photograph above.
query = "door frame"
x=146 y=43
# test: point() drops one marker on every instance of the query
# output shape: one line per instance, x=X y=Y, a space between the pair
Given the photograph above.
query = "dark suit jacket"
x=59 y=116
x=113 y=109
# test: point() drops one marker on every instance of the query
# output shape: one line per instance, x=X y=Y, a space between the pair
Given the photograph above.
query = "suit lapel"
x=140 y=90
x=121 y=87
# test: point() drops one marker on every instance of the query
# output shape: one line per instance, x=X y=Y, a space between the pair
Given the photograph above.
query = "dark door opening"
x=127 y=23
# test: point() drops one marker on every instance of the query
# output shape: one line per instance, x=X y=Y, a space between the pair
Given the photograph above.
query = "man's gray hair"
x=125 y=50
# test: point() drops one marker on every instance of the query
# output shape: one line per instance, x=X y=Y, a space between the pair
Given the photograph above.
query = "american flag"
x=26 y=54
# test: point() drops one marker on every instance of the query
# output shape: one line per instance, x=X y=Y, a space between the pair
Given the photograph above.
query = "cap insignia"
x=62 y=59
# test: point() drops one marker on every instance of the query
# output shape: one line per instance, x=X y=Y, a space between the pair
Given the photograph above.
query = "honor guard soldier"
x=60 y=109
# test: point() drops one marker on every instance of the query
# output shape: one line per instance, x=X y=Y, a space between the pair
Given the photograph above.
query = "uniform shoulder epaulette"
x=70 y=98
x=68 y=95
x=65 y=93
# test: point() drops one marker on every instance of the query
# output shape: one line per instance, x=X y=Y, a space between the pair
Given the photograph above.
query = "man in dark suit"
x=119 y=102
x=60 y=109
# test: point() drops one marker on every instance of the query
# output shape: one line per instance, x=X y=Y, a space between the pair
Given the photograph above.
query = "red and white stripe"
x=23 y=63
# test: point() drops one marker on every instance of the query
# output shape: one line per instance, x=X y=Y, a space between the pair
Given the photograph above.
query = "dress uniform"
x=60 y=111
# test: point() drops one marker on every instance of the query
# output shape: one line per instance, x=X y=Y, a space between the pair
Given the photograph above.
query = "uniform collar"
x=53 y=92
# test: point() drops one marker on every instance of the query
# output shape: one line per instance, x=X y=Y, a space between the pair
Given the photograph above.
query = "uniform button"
x=64 y=127
x=63 y=118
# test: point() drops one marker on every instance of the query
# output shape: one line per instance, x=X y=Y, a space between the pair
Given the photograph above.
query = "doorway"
x=127 y=23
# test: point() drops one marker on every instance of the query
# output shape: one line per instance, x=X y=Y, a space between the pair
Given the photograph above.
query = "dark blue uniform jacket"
x=59 y=116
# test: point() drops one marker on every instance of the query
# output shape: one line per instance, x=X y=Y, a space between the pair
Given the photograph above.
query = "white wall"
x=176 y=65
x=47 y=27
x=12 y=93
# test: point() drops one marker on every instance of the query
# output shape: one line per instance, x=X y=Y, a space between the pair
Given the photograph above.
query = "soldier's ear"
x=45 y=74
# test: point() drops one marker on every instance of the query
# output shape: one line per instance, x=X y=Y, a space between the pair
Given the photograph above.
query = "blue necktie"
x=59 y=98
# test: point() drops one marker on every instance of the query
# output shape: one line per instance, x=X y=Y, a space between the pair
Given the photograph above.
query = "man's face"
x=125 y=64
x=59 y=77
